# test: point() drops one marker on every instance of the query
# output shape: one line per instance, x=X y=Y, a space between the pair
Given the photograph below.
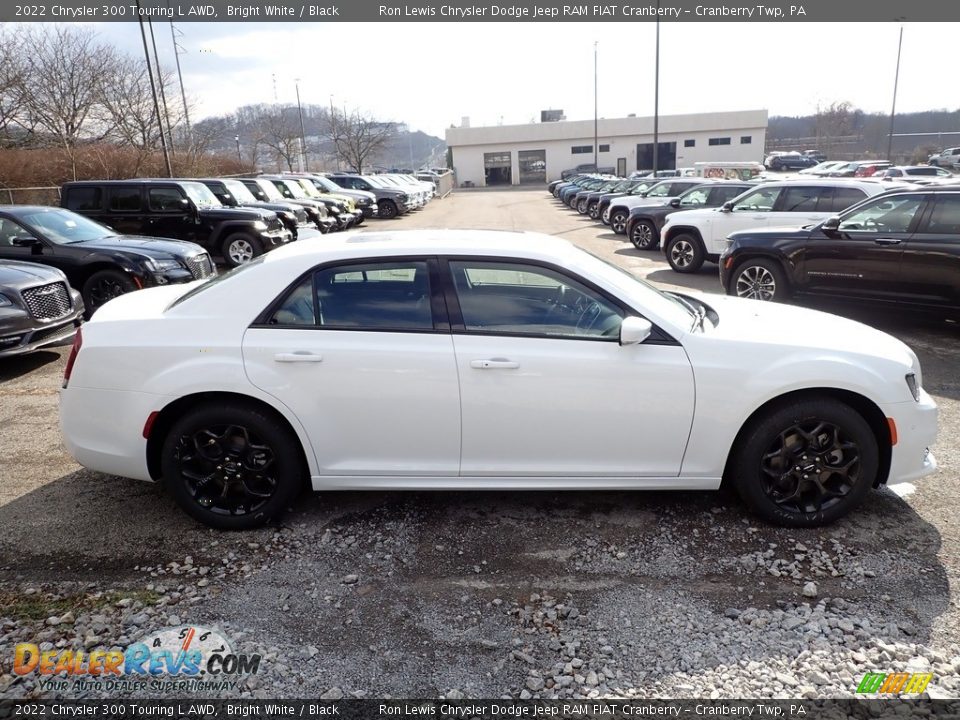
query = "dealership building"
x=538 y=152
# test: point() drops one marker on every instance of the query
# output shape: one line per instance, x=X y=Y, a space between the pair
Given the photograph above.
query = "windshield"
x=375 y=181
x=308 y=187
x=239 y=191
x=201 y=195
x=216 y=280
x=327 y=184
x=639 y=188
x=659 y=191
x=694 y=196
x=293 y=187
x=269 y=189
x=64 y=227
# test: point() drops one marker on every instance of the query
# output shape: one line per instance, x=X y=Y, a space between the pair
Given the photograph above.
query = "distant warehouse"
x=539 y=152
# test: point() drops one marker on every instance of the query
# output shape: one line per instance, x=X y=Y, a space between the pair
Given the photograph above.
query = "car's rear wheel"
x=103 y=286
x=685 y=253
x=240 y=248
x=388 y=210
x=582 y=206
x=759 y=279
x=231 y=466
x=618 y=221
x=593 y=210
x=644 y=235
x=806 y=463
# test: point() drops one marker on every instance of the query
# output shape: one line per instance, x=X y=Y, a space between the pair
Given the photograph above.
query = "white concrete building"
x=539 y=152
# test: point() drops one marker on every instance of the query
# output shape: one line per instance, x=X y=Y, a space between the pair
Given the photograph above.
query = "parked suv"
x=266 y=191
x=646 y=221
x=586 y=168
x=177 y=209
x=790 y=161
x=233 y=193
x=903 y=246
x=659 y=193
x=693 y=236
x=366 y=202
x=948 y=158
x=37 y=307
x=391 y=202
x=98 y=261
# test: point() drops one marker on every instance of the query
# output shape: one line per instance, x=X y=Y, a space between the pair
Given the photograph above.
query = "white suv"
x=692 y=236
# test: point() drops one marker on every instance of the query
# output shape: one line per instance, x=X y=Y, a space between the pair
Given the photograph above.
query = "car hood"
x=634 y=201
x=775 y=324
x=140 y=245
x=14 y=273
x=225 y=213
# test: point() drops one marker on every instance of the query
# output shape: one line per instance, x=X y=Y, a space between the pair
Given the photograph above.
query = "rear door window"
x=125 y=199
x=84 y=198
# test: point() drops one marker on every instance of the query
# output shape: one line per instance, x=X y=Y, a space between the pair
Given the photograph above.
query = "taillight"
x=77 y=343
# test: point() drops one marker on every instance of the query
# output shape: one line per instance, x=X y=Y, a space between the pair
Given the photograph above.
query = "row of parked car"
x=110 y=237
x=843 y=237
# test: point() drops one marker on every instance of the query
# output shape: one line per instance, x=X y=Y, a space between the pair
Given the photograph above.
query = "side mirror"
x=31 y=242
x=727 y=206
x=634 y=330
x=831 y=226
x=675 y=202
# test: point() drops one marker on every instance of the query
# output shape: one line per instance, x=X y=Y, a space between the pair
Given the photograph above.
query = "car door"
x=931 y=256
x=546 y=390
x=125 y=211
x=170 y=214
x=361 y=353
x=862 y=257
x=750 y=212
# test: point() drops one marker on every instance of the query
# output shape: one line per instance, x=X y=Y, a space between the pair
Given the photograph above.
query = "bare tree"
x=61 y=85
x=358 y=137
x=278 y=130
x=14 y=127
x=832 y=123
x=127 y=106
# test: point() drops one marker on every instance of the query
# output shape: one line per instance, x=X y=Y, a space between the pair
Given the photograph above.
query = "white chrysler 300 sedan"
x=484 y=360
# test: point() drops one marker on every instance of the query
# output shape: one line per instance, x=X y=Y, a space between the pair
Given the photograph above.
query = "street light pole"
x=656 y=99
x=239 y=156
x=595 y=133
x=303 y=135
x=893 y=109
x=153 y=89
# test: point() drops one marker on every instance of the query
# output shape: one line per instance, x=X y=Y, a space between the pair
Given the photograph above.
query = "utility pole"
x=153 y=89
x=239 y=156
x=163 y=94
x=176 y=54
x=656 y=99
x=893 y=109
x=303 y=134
x=596 y=162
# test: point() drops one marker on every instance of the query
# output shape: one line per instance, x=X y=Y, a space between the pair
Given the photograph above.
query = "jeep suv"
x=177 y=209
x=692 y=236
x=390 y=201
x=233 y=193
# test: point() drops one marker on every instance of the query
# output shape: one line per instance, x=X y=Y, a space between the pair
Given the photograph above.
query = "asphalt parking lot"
x=493 y=594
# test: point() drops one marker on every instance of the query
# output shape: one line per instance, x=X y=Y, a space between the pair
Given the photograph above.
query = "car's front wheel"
x=806 y=463
x=759 y=279
x=618 y=221
x=685 y=253
x=230 y=466
x=104 y=286
x=582 y=206
x=388 y=210
x=644 y=235
x=239 y=249
x=593 y=210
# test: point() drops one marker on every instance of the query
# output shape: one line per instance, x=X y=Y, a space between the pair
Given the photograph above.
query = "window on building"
x=720 y=141
x=604 y=148
x=746 y=139
x=689 y=143
x=581 y=149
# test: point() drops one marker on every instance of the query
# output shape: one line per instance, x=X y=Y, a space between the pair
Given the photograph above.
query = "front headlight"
x=5 y=301
x=161 y=265
x=404 y=197
x=259 y=225
x=914 y=384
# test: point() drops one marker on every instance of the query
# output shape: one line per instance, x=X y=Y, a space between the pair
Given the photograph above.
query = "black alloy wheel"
x=103 y=286
x=231 y=467
x=807 y=463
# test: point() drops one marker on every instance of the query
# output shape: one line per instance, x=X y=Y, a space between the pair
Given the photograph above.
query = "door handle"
x=299 y=356
x=887 y=241
x=494 y=364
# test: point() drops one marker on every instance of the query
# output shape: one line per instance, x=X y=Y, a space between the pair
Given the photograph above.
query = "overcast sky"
x=431 y=74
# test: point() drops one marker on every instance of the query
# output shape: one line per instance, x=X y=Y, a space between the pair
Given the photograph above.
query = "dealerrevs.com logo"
x=897 y=683
x=184 y=658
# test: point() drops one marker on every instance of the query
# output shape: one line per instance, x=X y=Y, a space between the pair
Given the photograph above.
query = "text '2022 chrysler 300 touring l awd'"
x=484 y=360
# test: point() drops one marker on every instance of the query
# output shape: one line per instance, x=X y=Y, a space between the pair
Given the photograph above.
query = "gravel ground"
x=491 y=594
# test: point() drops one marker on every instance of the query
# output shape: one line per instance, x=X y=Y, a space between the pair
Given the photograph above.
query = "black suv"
x=96 y=260
x=902 y=246
x=177 y=209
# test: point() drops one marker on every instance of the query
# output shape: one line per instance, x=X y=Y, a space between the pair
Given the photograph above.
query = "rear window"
x=84 y=198
x=125 y=199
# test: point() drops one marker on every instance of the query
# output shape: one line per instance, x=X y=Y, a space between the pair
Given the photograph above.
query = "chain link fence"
x=30 y=195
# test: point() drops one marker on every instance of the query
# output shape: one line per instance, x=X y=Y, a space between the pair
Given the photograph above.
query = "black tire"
x=784 y=457
x=582 y=206
x=618 y=221
x=685 y=253
x=387 y=210
x=593 y=210
x=250 y=435
x=759 y=279
x=644 y=235
x=239 y=249
x=103 y=286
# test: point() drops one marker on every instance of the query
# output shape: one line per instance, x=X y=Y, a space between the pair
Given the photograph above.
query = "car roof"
x=148 y=181
x=30 y=208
